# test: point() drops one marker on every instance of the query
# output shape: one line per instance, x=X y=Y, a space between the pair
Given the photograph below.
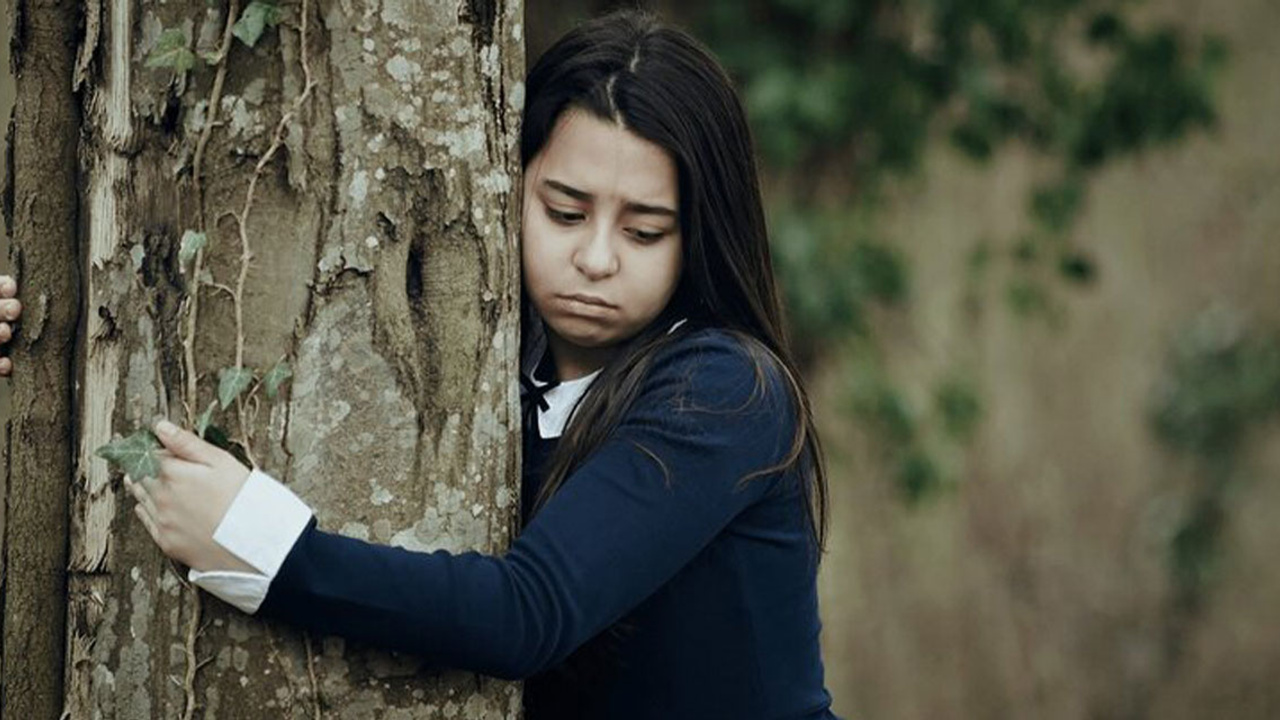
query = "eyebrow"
x=631 y=206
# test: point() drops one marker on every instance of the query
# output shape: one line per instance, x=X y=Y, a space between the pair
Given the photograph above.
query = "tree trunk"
x=40 y=213
x=354 y=171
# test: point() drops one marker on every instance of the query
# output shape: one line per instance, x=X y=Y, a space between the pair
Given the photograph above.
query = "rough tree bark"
x=354 y=172
x=40 y=214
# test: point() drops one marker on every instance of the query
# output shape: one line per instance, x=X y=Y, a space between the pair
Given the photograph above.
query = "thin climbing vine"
x=239 y=387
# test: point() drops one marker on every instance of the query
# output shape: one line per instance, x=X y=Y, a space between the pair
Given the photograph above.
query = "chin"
x=589 y=340
x=584 y=334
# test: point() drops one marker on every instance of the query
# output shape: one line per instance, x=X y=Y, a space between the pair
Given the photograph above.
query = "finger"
x=147 y=522
x=6 y=332
x=6 y=366
x=8 y=286
x=143 y=484
x=174 y=468
x=185 y=444
x=10 y=309
x=140 y=493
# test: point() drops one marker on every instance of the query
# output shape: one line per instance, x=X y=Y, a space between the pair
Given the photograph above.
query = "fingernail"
x=166 y=428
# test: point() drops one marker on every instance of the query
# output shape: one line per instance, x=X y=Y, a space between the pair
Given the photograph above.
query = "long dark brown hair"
x=664 y=86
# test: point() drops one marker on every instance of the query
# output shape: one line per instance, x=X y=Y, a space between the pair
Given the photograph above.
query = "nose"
x=596 y=257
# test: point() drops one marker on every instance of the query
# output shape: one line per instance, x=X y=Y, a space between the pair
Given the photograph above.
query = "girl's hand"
x=182 y=508
x=10 y=310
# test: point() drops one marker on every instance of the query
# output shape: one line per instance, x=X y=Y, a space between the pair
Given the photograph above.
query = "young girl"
x=673 y=496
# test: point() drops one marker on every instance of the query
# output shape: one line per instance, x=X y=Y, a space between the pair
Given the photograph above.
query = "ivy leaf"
x=256 y=18
x=171 y=51
x=275 y=377
x=231 y=382
x=133 y=454
x=218 y=437
x=203 y=423
x=1077 y=268
x=192 y=241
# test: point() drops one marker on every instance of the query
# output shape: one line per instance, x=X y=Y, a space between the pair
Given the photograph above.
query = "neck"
x=573 y=362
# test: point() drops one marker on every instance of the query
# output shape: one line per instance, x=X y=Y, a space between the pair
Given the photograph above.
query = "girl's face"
x=602 y=247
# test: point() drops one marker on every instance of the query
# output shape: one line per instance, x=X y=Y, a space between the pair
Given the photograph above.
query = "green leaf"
x=917 y=476
x=231 y=382
x=1026 y=297
x=275 y=376
x=1077 y=268
x=203 y=423
x=192 y=241
x=133 y=454
x=1056 y=205
x=957 y=402
x=256 y=17
x=171 y=51
x=1106 y=27
x=218 y=437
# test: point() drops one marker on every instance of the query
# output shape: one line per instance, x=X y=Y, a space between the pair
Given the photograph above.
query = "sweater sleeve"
x=629 y=518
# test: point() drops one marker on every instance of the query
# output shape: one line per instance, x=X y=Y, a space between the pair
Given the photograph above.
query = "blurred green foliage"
x=833 y=282
x=903 y=432
x=959 y=408
x=1223 y=379
x=845 y=94
x=895 y=426
x=869 y=81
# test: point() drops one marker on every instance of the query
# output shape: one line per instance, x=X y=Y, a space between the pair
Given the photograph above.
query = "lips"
x=588 y=300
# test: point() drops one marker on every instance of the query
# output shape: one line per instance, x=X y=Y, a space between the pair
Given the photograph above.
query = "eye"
x=564 y=218
x=646 y=237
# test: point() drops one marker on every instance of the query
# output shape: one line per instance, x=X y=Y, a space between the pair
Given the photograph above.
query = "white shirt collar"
x=563 y=399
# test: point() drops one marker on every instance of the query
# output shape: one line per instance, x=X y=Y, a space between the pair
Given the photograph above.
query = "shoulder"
x=717 y=368
x=716 y=402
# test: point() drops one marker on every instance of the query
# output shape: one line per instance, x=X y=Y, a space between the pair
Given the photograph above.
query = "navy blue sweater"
x=633 y=593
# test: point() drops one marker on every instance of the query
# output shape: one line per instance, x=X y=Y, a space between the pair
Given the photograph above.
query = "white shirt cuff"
x=263 y=522
x=245 y=591
x=261 y=526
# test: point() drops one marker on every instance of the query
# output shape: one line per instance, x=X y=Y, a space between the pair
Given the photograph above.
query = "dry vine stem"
x=194 y=631
x=189 y=341
x=242 y=220
x=215 y=99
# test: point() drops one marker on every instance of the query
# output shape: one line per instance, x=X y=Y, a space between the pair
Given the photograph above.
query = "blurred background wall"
x=1106 y=545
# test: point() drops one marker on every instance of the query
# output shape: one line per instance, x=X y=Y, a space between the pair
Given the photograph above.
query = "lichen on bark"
x=384 y=267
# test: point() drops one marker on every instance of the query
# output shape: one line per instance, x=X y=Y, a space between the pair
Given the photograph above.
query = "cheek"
x=530 y=270
x=662 y=275
x=674 y=267
x=535 y=254
x=530 y=229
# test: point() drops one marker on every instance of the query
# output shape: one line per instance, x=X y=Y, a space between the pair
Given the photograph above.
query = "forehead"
x=606 y=160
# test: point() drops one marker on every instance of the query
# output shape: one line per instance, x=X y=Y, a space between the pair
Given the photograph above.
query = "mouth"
x=589 y=300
